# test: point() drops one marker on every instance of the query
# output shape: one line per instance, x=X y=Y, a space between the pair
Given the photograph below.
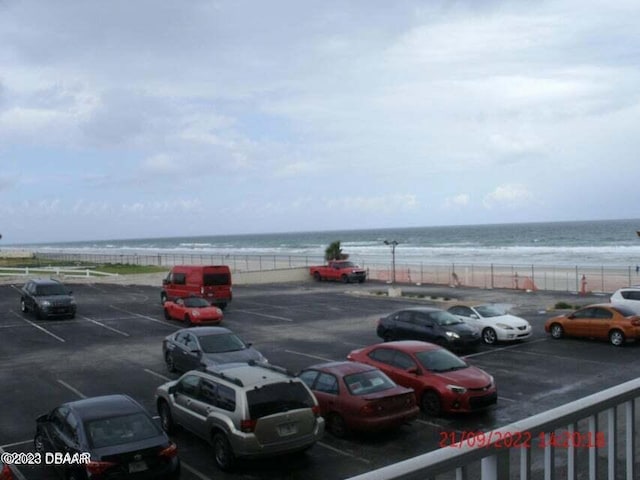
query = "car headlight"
x=72 y=302
x=452 y=335
x=218 y=311
x=195 y=313
x=493 y=382
x=504 y=326
x=457 y=389
x=45 y=303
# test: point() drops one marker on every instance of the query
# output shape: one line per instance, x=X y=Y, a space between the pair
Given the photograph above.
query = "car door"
x=396 y=365
x=193 y=352
x=203 y=405
x=185 y=412
x=600 y=323
x=404 y=325
x=424 y=327
x=467 y=315
x=327 y=392
x=579 y=323
x=179 y=351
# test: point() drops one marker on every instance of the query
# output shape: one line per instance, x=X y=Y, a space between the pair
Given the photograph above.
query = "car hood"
x=232 y=357
x=507 y=318
x=470 y=377
x=461 y=328
x=55 y=298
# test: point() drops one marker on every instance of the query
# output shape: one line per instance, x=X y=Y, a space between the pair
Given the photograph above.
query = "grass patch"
x=566 y=306
x=119 y=268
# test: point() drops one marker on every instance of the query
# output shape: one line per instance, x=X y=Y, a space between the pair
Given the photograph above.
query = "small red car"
x=443 y=382
x=356 y=396
x=193 y=311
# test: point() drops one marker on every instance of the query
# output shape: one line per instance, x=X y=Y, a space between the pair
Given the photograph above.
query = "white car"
x=495 y=324
x=629 y=297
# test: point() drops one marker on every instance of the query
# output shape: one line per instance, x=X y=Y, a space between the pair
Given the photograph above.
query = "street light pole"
x=393 y=244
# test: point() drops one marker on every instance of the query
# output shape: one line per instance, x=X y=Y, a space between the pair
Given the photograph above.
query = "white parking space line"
x=324 y=359
x=430 y=424
x=342 y=452
x=500 y=397
x=146 y=317
x=74 y=390
x=250 y=312
x=13 y=325
x=159 y=375
x=193 y=471
x=60 y=339
x=494 y=350
x=11 y=445
x=562 y=357
x=124 y=334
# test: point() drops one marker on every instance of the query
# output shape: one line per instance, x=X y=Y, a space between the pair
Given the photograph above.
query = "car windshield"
x=440 y=360
x=278 y=397
x=52 y=289
x=225 y=342
x=196 y=302
x=368 y=382
x=488 y=311
x=106 y=432
x=445 y=318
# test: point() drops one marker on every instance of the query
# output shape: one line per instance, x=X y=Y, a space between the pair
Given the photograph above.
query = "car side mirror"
x=165 y=281
x=197 y=352
x=172 y=389
x=571 y=317
x=248 y=344
x=413 y=370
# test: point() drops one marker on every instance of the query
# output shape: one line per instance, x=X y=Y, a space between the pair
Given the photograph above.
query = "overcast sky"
x=145 y=118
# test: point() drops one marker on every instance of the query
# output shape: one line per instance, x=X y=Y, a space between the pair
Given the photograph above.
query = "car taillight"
x=169 y=452
x=201 y=290
x=316 y=410
x=635 y=322
x=248 y=426
x=371 y=408
x=97 y=468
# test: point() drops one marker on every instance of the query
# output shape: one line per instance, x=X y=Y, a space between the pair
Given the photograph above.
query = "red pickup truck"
x=340 y=270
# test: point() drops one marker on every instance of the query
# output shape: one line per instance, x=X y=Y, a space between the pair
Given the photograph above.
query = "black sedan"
x=200 y=347
x=428 y=324
x=47 y=298
x=106 y=437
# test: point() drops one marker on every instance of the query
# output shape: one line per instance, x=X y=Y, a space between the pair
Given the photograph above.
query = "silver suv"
x=629 y=297
x=243 y=409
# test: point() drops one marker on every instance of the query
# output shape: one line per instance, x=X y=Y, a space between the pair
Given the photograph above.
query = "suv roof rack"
x=224 y=376
x=269 y=366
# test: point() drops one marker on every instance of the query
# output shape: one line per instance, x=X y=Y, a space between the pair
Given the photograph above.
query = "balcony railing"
x=592 y=438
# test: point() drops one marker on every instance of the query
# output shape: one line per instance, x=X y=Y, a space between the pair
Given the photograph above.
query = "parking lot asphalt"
x=114 y=346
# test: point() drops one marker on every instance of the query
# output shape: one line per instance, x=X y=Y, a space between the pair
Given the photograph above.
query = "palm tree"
x=334 y=252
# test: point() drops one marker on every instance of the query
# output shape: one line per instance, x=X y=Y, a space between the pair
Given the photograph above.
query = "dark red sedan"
x=355 y=396
x=443 y=382
x=192 y=311
x=5 y=471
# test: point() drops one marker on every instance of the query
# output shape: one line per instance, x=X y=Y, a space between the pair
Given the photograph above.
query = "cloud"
x=457 y=201
x=508 y=196
x=374 y=204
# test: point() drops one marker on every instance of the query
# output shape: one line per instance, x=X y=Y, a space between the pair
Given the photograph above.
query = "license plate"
x=287 y=429
x=137 y=467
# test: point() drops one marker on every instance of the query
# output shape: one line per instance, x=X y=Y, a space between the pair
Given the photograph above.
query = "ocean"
x=596 y=243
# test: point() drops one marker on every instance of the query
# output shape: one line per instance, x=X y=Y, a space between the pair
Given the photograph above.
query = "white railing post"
x=630 y=438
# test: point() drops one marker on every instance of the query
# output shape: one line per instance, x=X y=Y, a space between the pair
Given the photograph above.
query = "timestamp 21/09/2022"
x=524 y=439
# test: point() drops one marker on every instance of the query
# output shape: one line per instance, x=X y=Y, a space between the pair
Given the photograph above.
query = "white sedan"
x=495 y=324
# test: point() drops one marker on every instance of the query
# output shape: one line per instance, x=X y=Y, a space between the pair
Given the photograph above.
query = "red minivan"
x=211 y=282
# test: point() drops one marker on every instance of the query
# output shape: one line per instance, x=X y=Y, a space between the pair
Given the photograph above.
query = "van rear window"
x=213 y=279
x=277 y=398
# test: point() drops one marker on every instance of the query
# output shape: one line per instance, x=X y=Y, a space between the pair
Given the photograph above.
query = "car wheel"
x=616 y=337
x=387 y=336
x=345 y=279
x=317 y=277
x=23 y=306
x=222 y=452
x=166 y=420
x=166 y=314
x=187 y=320
x=38 y=443
x=171 y=365
x=556 y=330
x=163 y=297
x=489 y=336
x=430 y=403
x=222 y=306
x=336 y=425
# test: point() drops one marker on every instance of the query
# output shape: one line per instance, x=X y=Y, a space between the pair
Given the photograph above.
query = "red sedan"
x=193 y=311
x=443 y=382
x=355 y=396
